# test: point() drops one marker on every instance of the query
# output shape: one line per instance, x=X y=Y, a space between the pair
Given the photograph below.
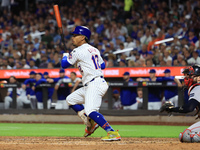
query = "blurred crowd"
x=31 y=39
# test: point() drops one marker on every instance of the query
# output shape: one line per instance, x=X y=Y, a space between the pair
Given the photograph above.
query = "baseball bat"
x=59 y=22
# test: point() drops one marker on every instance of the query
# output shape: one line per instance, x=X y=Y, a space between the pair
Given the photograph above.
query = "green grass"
x=23 y=129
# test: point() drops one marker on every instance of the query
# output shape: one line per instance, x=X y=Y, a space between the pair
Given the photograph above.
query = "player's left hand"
x=167 y=106
x=65 y=54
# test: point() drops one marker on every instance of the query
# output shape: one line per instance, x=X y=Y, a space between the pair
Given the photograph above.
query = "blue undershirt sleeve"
x=103 y=66
x=65 y=63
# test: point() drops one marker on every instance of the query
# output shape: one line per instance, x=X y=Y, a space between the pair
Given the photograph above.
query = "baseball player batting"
x=90 y=64
x=192 y=81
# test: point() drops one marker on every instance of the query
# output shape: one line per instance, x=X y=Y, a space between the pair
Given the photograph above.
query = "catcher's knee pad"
x=185 y=136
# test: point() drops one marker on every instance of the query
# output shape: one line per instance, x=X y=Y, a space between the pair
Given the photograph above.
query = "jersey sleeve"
x=100 y=60
x=73 y=57
x=194 y=94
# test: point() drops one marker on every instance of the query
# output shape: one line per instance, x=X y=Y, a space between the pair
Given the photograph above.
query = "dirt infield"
x=69 y=143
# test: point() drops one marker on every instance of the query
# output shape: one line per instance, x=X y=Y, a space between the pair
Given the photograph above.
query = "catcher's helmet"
x=196 y=70
x=82 y=30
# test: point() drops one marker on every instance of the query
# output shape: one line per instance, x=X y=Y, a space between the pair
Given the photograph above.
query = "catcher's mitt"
x=166 y=107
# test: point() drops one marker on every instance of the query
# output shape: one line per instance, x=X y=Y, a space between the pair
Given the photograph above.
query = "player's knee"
x=68 y=100
x=89 y=111
x=185 y=136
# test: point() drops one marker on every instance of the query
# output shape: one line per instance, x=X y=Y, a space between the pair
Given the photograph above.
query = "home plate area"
x=91 y=143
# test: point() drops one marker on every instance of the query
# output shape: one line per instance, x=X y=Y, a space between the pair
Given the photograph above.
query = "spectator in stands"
x=152 y=42
x=169 y=34
x=129 y=44
x=24 y=64
x=141 y=29
x=145 y=39
x=191 y=37
x=4 y=64
x=195 y=59
x=116 y=100
x=167 y=54
x=62 y=91
x=36 y=56
x=18 y=65
x=44 y=62
x=144 y=51
x=11 y=62
x=56 y=61
x=35 y=33
x=32 y=64
x=149 y=63
x=122 y=63
x=131 y=63
x=50 y=65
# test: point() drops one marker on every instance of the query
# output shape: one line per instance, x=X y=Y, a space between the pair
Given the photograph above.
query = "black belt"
x=93 y=80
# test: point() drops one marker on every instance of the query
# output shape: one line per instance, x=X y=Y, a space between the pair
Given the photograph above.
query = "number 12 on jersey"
x=95 y=61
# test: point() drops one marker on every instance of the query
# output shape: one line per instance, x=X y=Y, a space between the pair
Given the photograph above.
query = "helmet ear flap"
x=196 y=70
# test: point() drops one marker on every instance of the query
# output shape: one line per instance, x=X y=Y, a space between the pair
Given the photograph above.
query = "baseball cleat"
x=91 y=129
x=112 y=136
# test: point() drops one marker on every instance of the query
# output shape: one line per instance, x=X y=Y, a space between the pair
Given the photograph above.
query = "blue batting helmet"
x=82 y=30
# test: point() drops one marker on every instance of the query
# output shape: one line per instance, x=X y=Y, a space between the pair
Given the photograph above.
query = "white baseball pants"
x=90 y=95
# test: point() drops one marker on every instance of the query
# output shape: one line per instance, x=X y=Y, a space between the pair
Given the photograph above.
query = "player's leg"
x=61 y=104
x=191 y=134
x=39 y=105
x=21 y=100
x=75 y=101
x=134 y=106
x=156 y=105
x=33 y=101
x=174 y=100
x=150 y=105
x=93 y=97
x=7 y=101
x=49 y=104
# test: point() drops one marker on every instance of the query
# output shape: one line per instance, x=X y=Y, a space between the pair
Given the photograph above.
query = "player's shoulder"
x=194 y=86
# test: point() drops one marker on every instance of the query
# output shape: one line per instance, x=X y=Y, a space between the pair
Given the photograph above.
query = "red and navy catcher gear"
x=190 y=73
x=82 y=30
x=188 y=80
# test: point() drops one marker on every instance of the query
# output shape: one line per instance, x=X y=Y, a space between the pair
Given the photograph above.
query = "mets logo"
x=70 y=56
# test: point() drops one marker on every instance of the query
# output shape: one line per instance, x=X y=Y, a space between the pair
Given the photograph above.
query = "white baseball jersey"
x=194 y=92
x=88 y=60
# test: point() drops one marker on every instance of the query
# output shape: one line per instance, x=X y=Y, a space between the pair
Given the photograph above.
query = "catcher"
x=192 y=81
